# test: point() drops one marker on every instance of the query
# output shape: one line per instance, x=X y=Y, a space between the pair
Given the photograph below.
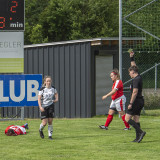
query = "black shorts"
x=136 y=107
x=48 y=112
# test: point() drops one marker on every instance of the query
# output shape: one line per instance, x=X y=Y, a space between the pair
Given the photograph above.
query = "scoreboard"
x=12 y=15
x=12 y=27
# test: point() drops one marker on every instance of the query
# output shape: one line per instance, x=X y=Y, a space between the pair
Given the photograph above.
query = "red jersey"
x=17 y=129
x=118 y=85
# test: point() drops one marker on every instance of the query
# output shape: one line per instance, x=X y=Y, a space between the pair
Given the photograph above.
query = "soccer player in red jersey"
x=15 y=130
x=118 y=100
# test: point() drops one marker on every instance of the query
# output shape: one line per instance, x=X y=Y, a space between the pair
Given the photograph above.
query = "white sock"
x=50 y=130
x=41 y=127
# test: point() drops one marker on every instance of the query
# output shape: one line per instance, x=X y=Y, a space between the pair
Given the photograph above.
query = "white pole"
x=155 y=76
x=22 y=113
x=120 y=38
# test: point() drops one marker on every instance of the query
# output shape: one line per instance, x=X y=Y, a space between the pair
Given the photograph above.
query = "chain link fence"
x=141 y=21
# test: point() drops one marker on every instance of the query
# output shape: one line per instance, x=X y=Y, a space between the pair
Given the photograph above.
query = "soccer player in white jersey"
x=46 y=98
x=118 y=100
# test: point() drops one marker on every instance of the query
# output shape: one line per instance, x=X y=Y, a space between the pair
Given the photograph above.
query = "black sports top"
x=137 y=83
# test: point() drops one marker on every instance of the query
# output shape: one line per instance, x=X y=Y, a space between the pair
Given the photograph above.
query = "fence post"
x=155 y=76
x=22 y=113
x=120 y=38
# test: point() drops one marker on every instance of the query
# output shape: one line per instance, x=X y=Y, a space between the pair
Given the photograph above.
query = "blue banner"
x=19 y=90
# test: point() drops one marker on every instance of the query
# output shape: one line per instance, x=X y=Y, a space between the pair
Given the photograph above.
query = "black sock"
x=137 y=134
x=138 y=123
x=135 y=126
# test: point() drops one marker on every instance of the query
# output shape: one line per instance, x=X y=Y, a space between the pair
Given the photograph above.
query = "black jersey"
x=137 y=83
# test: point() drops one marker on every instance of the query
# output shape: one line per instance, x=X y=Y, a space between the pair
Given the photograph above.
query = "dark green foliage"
x=152 y=100
x=59 y=20
x=147 y=18
x=143 y=14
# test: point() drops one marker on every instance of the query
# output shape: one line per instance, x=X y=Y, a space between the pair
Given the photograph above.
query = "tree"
x=36 y=35
x=70 y=19
x=33 y=9
x=56 y=20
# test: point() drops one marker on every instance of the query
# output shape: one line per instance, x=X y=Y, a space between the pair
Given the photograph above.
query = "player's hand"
x=131 y=54
x=129 y=106
x=55 y=100
x=104 y=97
x=41 y=109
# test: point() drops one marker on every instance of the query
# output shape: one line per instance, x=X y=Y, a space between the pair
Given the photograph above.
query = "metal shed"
x=72 y=67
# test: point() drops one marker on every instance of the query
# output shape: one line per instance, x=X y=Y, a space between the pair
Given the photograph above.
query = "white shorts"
x=23 y=129
x=118 y=104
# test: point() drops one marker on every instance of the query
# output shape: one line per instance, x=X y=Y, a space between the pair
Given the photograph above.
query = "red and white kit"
x=118 y=99
x=17 y=129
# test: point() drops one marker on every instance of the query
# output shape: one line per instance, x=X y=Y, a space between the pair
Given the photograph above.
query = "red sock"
x=109 y=120
x=125 y=123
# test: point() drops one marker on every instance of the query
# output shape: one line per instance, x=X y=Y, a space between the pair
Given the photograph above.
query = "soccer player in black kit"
x=136 y=101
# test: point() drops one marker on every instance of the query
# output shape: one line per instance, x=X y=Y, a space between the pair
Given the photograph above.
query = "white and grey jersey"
x=47 y=95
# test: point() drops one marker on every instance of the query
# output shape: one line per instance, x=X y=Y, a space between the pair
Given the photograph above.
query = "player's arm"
x=39 y=103
x=133 y=97
x=109 y=94
x=56 y=98
x=133 y=63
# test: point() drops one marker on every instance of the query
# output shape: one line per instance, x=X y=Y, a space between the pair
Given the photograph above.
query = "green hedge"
x=152 y=101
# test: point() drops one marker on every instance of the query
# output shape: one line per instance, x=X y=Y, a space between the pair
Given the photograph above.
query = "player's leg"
x=122 y=114
x=42 y=126
x=110 y=116
x=120 y=107
x=25 y=126
x=136 y=117
x=44 y=118
x=44 y=123
x=50 y=128
x=22 y=130
x=139 y=132
x=50 y=120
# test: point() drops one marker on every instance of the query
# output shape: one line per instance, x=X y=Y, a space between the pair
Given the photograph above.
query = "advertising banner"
x=19 y=90
x=11 y=52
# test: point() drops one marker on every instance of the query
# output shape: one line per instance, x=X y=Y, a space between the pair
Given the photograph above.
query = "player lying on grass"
x=15 y=130
x=118 y=100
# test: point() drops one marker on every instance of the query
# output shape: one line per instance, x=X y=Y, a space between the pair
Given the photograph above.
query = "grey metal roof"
x=84 y=40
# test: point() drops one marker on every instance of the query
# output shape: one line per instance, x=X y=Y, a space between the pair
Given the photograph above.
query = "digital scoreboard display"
x=12 y=15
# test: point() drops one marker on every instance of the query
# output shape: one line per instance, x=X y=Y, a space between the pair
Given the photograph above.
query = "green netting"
x=141 y=21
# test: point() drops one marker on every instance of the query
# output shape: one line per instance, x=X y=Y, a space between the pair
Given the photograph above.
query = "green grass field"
x=81 y=139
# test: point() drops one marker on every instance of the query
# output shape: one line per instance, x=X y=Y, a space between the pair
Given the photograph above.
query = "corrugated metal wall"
x=70 y=68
